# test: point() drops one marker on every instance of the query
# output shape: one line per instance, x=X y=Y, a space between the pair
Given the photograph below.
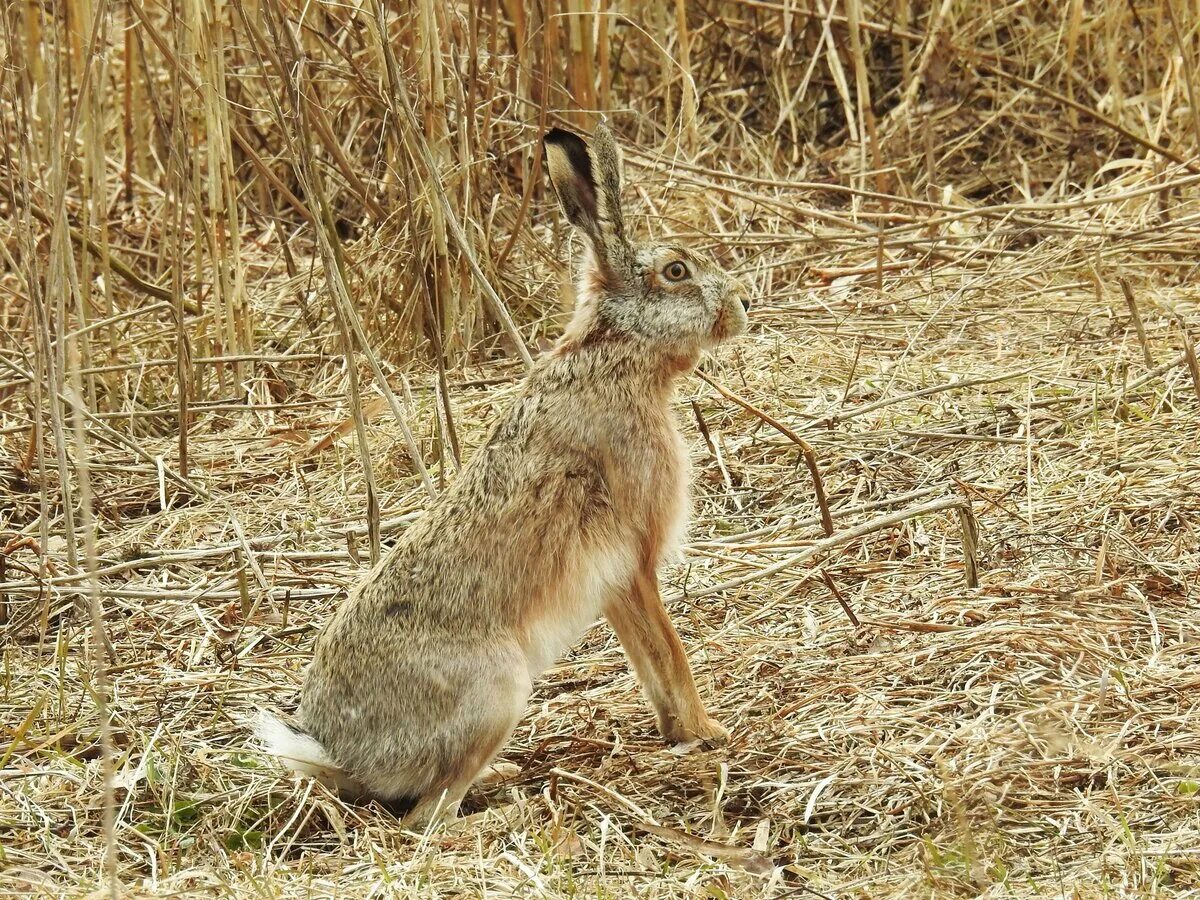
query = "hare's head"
x=674 y=299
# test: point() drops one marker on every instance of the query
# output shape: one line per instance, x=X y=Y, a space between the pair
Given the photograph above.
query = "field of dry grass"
x=267 y=278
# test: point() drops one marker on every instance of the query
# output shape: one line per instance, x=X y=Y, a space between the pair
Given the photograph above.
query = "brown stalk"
x=840 y=597
x=1131 y=302
x=969 y=532
x=810 y=455
x=1189 y=352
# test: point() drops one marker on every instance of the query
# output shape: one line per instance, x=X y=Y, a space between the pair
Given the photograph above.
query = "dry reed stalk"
x=866 y=118
x=688 y=100
x=99 y=642
x=1074 y=23
x=580 y=56
x=131 y=99
x=1113 y=15
x=603 y=56
x=180 y=186
x=97 y=211
x=933 y=37
x=56 y=284
x=838 y=73
x=1191 y=80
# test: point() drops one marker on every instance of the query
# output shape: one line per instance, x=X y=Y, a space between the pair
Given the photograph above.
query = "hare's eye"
x=676 y=271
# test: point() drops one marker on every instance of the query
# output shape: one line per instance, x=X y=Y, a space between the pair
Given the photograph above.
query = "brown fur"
x=563 y=515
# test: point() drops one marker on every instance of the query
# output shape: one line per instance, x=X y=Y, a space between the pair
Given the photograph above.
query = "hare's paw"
x=704 y=734
x=498 y=773
x=712 y=733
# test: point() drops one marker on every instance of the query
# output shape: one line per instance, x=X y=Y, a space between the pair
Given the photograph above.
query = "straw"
x=941 y=576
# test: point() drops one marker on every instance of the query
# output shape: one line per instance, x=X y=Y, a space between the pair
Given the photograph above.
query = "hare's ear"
x=588 y=184
x=606 y=154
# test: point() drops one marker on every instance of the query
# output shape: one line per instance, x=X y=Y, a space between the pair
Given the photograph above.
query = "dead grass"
x=974 y=241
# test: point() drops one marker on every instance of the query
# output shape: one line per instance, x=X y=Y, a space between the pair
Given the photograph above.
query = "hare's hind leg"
x=440 y=803
x=488 y=713
x=435 y=808
x=658 y=658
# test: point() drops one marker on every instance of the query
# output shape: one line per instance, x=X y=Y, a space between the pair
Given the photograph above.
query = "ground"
x=896 y=729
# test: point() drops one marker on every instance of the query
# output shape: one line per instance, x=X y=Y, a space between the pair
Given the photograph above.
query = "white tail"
x=303 y=754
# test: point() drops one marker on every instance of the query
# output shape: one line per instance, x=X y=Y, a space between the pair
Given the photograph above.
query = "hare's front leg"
x=658 y=658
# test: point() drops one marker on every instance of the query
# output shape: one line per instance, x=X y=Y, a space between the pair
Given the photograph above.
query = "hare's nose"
x=738 y=289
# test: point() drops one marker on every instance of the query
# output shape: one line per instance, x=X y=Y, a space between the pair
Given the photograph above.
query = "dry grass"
x=974 y=240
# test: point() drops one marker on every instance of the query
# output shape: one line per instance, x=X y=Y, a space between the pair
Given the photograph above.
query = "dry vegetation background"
x=270 y=269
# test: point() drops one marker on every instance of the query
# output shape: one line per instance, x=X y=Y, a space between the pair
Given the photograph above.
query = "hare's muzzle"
x=741 y=292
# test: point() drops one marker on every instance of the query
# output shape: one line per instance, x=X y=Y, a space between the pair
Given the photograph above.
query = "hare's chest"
x=599 y=573
x=675 y=509
x=656 y=474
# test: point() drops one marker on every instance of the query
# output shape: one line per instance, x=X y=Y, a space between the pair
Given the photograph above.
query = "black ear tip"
x=574 y=148
x=561 y=137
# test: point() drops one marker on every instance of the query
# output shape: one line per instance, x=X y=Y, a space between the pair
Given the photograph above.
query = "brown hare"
x=564 y=514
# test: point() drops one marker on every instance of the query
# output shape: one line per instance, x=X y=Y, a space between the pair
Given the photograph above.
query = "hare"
x=564 y=514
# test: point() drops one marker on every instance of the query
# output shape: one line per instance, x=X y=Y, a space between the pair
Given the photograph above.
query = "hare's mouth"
x=731 y=320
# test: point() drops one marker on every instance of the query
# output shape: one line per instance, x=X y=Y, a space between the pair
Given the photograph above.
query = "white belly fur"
x=578 y=602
